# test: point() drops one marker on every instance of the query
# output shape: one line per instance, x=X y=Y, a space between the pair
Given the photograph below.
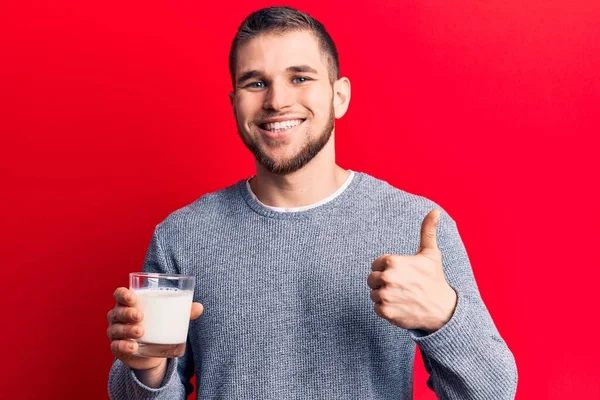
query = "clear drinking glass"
x=166 y=301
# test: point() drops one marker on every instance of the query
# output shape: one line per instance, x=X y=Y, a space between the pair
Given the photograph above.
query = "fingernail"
x=131 y=346
x=135 y=314
x=137 y=330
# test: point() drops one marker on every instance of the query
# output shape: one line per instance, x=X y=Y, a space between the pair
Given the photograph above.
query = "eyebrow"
x=247 y=76
x=302 y=68
x=295 y=68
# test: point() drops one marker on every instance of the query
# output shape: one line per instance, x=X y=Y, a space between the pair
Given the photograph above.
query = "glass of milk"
x=166 y=301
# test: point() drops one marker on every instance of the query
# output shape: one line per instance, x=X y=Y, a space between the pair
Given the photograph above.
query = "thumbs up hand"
x=411 y=291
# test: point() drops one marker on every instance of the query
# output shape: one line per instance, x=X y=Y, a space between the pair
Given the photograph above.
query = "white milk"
x=166 y=315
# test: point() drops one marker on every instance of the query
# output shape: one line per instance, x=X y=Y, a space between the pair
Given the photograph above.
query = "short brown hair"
x=280 y=20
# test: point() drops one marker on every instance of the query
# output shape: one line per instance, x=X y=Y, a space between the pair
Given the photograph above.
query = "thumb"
x=429 y=232
x=197 y=310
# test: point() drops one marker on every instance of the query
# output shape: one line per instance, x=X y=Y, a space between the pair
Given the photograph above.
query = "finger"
x=428 y=232
x=123 y=349
x=376 y=296
x=381 y=263
x=125 y=315
x=380 y=310
x=197 y=310
x=125 y=297
x=374 y=280
x=123 y=331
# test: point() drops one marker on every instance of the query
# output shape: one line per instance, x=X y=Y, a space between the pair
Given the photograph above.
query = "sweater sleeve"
x=122 y=382
x=467 y=358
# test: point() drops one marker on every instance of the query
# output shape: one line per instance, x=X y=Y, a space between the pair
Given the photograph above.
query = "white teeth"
x=273 y=126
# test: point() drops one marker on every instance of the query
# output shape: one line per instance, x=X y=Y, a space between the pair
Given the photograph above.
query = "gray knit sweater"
x=287 y=308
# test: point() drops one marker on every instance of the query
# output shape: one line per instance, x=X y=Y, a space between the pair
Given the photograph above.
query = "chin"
x=277 y=163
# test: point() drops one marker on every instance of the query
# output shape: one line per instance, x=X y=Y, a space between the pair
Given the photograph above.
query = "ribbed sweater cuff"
x=458 y=334
x=130 y=385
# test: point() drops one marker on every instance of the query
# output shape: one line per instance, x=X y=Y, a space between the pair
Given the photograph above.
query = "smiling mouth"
x=280 y=127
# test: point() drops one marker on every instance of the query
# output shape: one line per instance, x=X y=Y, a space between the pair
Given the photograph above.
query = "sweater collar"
x=320 y=208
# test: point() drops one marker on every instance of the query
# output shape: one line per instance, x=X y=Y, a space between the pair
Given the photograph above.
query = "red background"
x=115 y=114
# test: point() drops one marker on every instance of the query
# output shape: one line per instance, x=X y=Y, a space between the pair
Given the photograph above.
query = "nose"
x=278 y=97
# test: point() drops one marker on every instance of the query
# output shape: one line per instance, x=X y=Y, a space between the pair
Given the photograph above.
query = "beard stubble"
x=311 y=147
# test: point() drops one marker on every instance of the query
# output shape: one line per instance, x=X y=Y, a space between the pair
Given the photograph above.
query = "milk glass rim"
x=161 y=276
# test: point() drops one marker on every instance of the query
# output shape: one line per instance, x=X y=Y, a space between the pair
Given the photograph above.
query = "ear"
x=341 y=96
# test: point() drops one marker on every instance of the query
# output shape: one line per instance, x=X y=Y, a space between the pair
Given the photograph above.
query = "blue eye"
x=301 y=79
x=256 y=85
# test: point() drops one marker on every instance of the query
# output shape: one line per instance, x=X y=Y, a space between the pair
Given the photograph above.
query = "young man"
x=317 y=282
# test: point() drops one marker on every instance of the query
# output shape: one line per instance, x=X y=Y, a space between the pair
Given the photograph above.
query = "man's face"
x=283 y=100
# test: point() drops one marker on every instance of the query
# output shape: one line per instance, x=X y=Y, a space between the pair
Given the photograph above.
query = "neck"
x=314 y=182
